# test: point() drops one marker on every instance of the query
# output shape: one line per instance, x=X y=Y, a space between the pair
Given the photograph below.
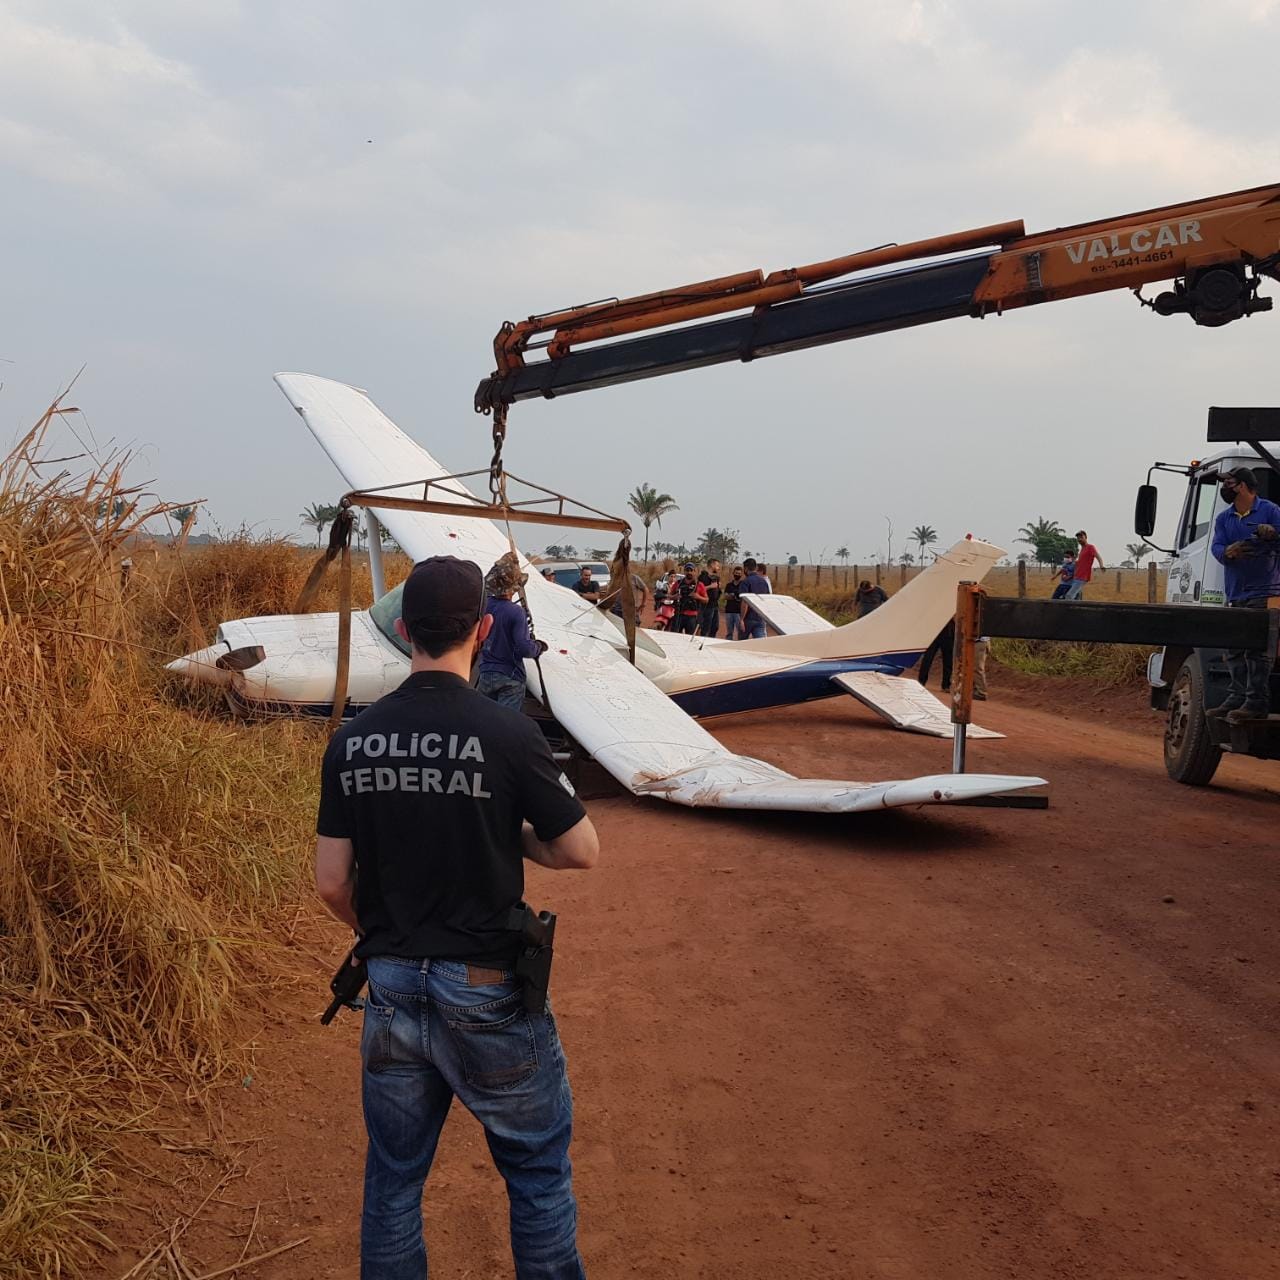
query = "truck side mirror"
x=1144 y=511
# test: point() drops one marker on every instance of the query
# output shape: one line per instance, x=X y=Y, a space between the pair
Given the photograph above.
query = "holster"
x=537 y=930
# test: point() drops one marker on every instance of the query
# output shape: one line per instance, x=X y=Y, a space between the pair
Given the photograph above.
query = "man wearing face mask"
x=1246 y=543
x=429 y=800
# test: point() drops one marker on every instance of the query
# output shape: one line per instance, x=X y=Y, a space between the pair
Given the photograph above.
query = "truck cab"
x=1186 y=682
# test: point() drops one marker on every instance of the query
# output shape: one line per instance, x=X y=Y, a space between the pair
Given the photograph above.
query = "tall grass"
x=1100 y=664
x=145 y=850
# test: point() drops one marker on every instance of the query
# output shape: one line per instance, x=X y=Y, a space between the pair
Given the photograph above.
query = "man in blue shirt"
x=1245 y=542
x=1065 y=572
x=756 y=584
x=509 y=642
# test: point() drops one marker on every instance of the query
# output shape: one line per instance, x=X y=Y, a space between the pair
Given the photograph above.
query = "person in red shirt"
x=1085 y=561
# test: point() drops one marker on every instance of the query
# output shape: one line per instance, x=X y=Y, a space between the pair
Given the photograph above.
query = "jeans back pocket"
x=495 y=1042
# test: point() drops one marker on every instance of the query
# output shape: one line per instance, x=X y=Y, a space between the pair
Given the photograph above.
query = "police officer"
x=429 y=800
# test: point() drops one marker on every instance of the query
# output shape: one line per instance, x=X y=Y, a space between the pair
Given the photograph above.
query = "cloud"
x=108 y=113
x=198 y=177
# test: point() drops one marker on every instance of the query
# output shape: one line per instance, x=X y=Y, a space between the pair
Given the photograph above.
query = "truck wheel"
x=1190 y=756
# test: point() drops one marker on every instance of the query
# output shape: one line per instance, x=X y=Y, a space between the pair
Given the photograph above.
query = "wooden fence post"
x=817 y=574
x=902 y=577
x=1151 y=582
x=1117 y=582
x=877 y=573
x=1022 y=578
x=790 y=572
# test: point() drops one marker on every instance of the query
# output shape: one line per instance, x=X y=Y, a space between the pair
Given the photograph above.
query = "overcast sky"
x=199 y=193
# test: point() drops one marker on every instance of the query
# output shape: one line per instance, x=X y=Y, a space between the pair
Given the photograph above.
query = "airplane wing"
x=623 y=720
x=787 y=615
x=905 y=703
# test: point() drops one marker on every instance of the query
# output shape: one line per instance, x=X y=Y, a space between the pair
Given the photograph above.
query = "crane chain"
x=497 y=475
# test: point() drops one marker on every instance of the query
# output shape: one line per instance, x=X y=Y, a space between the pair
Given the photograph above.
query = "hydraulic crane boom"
x=1215 y=251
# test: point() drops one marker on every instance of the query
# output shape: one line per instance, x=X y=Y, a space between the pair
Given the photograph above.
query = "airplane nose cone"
x=202 y=666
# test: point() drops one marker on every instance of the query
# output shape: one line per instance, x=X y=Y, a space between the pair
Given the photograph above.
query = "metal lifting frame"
x=459 y=504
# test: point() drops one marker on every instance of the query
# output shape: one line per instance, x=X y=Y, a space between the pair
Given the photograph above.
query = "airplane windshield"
x=384 y=614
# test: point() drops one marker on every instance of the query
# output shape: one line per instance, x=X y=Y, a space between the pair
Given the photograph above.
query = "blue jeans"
x=504 y=690
x=731 y=624
x=1250 y=673
x=1075 y=590
x=709 y=620
x=755 y=628
x=430 y=1034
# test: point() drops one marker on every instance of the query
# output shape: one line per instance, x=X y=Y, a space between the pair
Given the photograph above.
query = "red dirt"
x=950 y=1043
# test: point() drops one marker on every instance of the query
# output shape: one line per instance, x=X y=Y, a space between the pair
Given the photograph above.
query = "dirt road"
x=943 y=1043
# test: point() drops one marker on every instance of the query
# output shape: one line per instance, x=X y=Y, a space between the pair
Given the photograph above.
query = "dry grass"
x=145 y=850
x=1100 y=664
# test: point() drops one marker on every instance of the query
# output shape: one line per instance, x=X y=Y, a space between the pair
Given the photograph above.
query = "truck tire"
x=1190 y=756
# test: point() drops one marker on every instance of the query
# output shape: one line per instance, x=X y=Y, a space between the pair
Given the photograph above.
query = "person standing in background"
x=943 y=647
x=509 y=642
x=1085 y=561
x=756 y=584
x=981 y=648
x=732 y=605
x=691 y=599
x=1246 y=542
x=1065 y=572
x=709 y=621
x=867 y=598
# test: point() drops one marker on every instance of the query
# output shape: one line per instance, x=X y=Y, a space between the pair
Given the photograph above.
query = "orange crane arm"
x=1215 y=250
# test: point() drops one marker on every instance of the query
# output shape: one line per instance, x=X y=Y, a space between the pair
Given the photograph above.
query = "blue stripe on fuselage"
x=804 y=683
x=782 y=688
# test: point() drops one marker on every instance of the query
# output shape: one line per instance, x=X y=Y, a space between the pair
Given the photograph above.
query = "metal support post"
x=374 y=530
x=969 y=597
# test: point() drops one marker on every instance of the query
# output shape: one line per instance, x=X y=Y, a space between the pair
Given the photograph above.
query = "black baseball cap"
x=443 y=594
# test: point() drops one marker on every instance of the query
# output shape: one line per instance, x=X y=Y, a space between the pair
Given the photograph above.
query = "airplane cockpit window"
x=384 y=614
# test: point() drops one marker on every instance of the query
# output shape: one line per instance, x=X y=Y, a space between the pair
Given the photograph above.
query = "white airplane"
x=637 y=722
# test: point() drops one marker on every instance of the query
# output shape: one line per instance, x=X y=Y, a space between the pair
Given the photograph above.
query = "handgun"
x=537 y=931
x=346 y=986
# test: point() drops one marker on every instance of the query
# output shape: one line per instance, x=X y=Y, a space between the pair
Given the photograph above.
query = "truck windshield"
x=384 y=614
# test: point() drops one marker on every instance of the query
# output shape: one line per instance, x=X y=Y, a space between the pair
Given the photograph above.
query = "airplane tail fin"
x=906 y=623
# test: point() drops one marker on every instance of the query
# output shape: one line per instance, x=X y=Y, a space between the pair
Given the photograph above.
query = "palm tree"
x=924 y=535
x=842 y=553
x=317 y=515
x=906 y=558
x=1046 y=538
x=650 y=506
x=717 y=544
x=1137 y=550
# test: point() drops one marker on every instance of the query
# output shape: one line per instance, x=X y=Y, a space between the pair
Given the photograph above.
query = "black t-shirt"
x=732 y=589
x=586 y=588
x=712 y=583
x=430 y=784
x=688 y=595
